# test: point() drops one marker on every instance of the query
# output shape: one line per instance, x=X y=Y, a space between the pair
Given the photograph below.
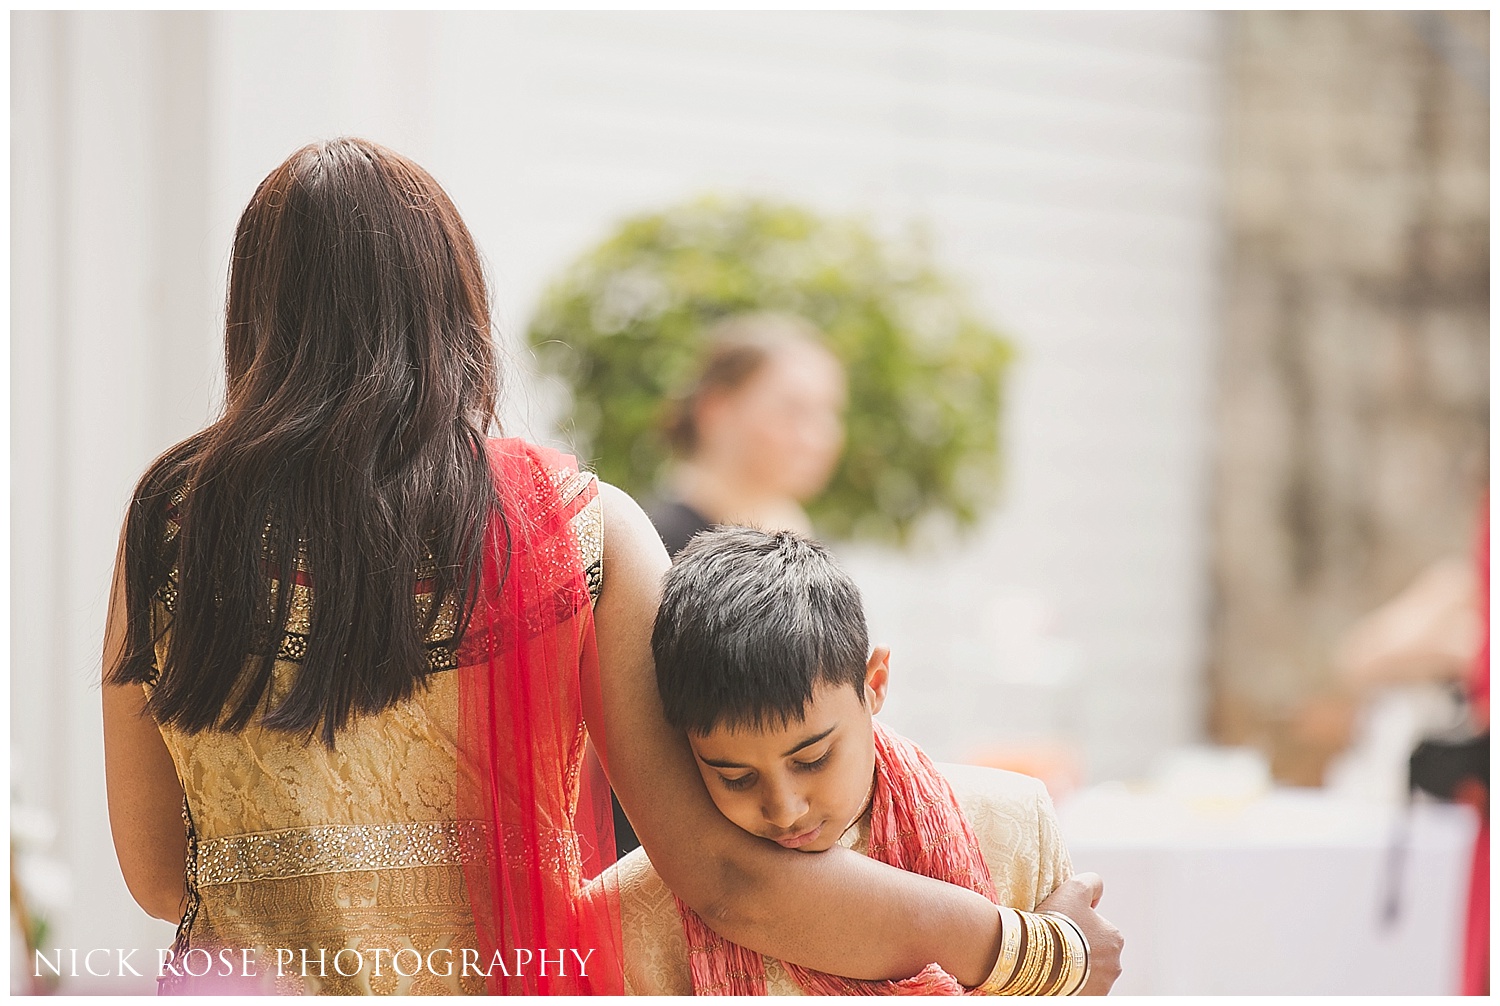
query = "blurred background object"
x=1240 y=261
x=1226 y=887
x=1353 y=410
x=1427 y=632
x=39 y=886
x=627 y=328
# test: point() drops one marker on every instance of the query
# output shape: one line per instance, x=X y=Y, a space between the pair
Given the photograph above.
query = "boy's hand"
x=1076 y=899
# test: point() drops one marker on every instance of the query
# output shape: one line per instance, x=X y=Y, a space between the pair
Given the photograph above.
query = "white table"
x=1277 y=894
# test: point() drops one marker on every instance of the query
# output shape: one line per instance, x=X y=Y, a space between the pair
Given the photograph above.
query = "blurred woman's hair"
x=737 y=347
x=361 y=385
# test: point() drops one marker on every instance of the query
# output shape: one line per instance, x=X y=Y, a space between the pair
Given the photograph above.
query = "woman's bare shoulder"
x=630 y=539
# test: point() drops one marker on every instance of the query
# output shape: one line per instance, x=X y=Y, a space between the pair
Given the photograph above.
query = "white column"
x=114 y=337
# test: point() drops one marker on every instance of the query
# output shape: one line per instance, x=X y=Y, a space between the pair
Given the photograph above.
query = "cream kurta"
x=1012 y=818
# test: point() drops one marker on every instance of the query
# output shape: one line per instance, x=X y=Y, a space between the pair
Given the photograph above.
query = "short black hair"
x=750 y=623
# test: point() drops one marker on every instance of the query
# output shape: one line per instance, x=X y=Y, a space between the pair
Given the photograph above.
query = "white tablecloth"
x=1278 y=894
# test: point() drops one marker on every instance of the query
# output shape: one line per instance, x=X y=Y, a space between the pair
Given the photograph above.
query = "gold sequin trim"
x=566 y=483
x=346 y=848
x=299 y=606
x=594 y=579
x=588 y=528
x=333 y=848
x=569 y=482
x=446 y=622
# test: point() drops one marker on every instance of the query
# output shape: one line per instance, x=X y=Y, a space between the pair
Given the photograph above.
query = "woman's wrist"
x=1011 y=932
x=1040 y=954
x=982 y=946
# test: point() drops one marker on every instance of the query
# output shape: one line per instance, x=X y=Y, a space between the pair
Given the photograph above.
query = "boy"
x=762 y=657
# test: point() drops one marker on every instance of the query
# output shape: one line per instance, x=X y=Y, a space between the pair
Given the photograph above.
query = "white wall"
x=1063 y=164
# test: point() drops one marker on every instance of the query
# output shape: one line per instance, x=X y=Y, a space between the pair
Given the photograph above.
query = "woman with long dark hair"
x=357 y=647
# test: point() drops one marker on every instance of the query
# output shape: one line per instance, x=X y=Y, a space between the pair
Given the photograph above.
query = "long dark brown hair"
x=361 y=384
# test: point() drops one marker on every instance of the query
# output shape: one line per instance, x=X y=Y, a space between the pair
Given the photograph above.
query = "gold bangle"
x=1010 y=948
x=1078 y=947
x=1037 y=963
x=1027 y=963
x=1060 y=945
x=1072 y=983
x=1010 y=942
x=1085 y=951
x=1063 y=951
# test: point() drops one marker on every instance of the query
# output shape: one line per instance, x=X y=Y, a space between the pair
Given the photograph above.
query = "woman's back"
x=363 y=628
x=303 y=848
x=358 y=847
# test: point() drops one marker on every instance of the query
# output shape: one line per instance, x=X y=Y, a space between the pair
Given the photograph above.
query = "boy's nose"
x=784 y=808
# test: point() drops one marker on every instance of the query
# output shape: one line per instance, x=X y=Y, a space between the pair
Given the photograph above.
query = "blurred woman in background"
x=758 y=433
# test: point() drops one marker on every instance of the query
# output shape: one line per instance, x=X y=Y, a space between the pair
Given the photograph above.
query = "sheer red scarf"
x=915 y=824
x=537 y=820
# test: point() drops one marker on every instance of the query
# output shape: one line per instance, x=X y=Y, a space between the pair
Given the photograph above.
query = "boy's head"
x=762 y=656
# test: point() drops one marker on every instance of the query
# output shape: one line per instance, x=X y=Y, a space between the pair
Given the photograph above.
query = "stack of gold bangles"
x=1040 y=955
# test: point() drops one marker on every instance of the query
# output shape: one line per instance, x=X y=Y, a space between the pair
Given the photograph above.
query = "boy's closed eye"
x=813 y=766
x=743 y=782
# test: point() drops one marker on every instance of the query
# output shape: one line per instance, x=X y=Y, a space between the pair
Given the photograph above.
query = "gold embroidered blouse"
x=304 y=851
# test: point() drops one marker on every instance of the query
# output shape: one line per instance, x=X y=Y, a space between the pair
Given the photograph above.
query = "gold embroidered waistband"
x=345 y=848
x=333 y=848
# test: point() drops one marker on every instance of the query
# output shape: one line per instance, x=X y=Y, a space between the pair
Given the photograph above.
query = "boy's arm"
x=1021 y=841
x=1054 y=865
x=1016 y=826
x=656 y=953
x=835 y=911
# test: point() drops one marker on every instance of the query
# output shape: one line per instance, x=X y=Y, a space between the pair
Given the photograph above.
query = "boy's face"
x=801 y=785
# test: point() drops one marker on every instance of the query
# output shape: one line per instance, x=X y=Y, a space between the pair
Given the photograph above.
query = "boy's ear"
x=877 y=677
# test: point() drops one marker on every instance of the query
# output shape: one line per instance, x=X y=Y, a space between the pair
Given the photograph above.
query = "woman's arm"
x=145 y=797
x=834 y=911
